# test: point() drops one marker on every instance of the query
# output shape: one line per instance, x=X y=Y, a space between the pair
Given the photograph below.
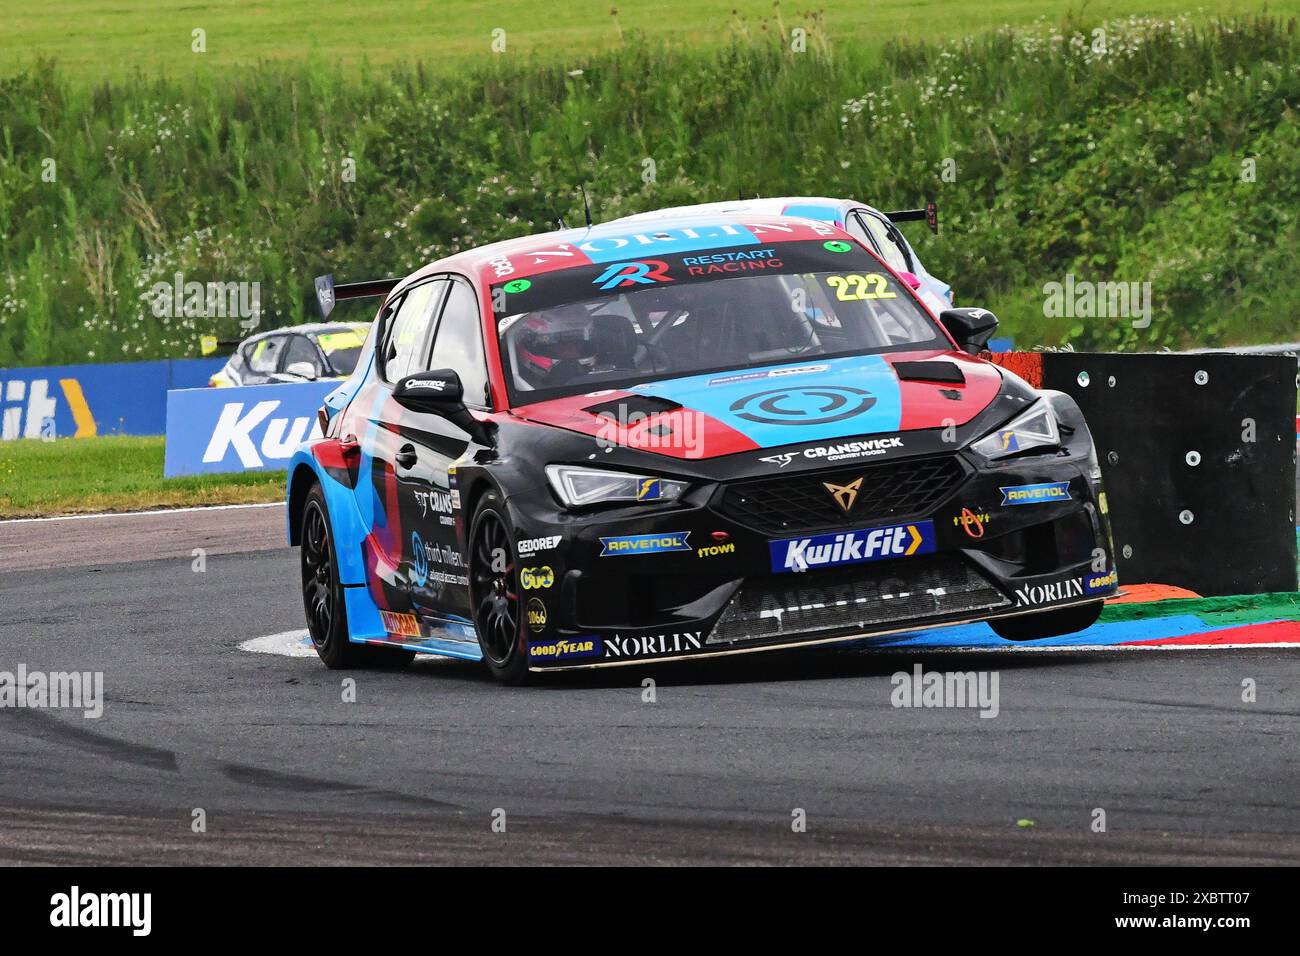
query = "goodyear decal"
x=852 y=547
x=645 y=543
x=777 y=405
x=1039 y=494
x=562 y=648
x=1096 y=583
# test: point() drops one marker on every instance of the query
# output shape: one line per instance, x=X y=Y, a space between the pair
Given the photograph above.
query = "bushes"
x=1119 y=161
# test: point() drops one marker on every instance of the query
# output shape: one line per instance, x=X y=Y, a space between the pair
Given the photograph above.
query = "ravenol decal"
x=852 y=547
x=843 y=398
x=563 y=647
x=620 y=275
x=645 y=543
x=1043 y=493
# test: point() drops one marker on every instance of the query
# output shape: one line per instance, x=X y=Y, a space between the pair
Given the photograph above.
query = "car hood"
x=724 y=413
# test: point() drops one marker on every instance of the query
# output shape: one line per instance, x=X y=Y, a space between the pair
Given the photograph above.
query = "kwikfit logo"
x=279 y=436
x=852 y=547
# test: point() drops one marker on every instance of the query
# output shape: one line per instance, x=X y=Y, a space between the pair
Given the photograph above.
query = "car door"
x=403 y=335
x=428 y=444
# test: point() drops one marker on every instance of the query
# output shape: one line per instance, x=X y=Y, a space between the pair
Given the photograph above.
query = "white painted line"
x=135 y=514
x=285 y=644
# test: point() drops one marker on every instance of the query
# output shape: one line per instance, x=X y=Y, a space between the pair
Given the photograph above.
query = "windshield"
x=343 y=348
x=618 y=324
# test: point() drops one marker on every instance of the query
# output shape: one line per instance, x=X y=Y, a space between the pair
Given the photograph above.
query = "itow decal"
x=852 y=547
x=645 y=543
x=1044 y=493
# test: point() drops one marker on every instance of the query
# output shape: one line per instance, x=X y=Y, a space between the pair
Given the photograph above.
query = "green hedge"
x=1123 y=163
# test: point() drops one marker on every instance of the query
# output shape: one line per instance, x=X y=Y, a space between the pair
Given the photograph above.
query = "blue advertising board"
x=255 y=428
x=81 y=401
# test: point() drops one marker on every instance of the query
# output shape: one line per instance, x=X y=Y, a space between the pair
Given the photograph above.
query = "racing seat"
x=615 y=341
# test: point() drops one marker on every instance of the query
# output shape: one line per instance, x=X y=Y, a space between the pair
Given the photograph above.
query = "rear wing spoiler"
x=328 y=294
x=930 y=214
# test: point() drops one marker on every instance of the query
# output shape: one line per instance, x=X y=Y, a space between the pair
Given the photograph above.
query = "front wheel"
x=322 y=596
x=1031 y=627
x=494 y=593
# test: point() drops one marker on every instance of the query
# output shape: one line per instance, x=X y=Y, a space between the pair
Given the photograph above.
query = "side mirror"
x=911 y=279
x=971 y=329
x=303 y=370
x=438 y=391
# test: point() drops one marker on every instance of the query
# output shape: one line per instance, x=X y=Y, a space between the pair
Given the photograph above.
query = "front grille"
x=858 y=598
x=801 y=502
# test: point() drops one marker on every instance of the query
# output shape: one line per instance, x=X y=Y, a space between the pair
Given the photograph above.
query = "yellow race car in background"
x=300 y=353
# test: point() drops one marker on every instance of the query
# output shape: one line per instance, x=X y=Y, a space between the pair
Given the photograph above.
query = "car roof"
x=809 y=207
x=489 y=263
x=308 y=328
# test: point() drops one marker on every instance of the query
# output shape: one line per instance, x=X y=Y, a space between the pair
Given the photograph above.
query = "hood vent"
x=642 y=406
x=945 y=372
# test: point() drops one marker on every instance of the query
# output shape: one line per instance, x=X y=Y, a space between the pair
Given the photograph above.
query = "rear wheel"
x=322 y=596
x=494 y=593
x=1031 y=627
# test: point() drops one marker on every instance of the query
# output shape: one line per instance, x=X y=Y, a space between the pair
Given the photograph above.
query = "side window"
x=265 y=355
x=459 y=342
x=890 y=251
x=407 y=330
x=302 y=349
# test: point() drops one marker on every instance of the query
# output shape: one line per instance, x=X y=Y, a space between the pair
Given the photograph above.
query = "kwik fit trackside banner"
x=255 y=428
x=82 y=401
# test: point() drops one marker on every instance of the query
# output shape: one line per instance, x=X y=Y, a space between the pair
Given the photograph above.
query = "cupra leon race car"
x=679 y=440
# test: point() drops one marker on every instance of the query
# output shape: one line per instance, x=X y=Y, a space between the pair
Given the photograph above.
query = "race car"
x=874 y=229
x=299 y=353
x=683 y=439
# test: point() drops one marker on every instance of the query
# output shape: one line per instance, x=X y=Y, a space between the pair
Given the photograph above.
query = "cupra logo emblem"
x=844 y=495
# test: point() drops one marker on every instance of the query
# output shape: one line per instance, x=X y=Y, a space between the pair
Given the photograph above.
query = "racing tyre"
x=322 y=596
x=1031 y=627
x=494 y=593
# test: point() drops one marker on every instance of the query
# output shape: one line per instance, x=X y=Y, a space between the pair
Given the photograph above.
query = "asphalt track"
x=584 y=770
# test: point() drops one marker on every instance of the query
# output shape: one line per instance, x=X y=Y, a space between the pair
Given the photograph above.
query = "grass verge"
x=113 y=473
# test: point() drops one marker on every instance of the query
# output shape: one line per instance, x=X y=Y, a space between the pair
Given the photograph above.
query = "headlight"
x=590 y=486
x=1036 y=428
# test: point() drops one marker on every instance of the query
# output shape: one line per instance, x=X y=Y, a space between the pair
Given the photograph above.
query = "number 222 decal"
x=870 y=286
